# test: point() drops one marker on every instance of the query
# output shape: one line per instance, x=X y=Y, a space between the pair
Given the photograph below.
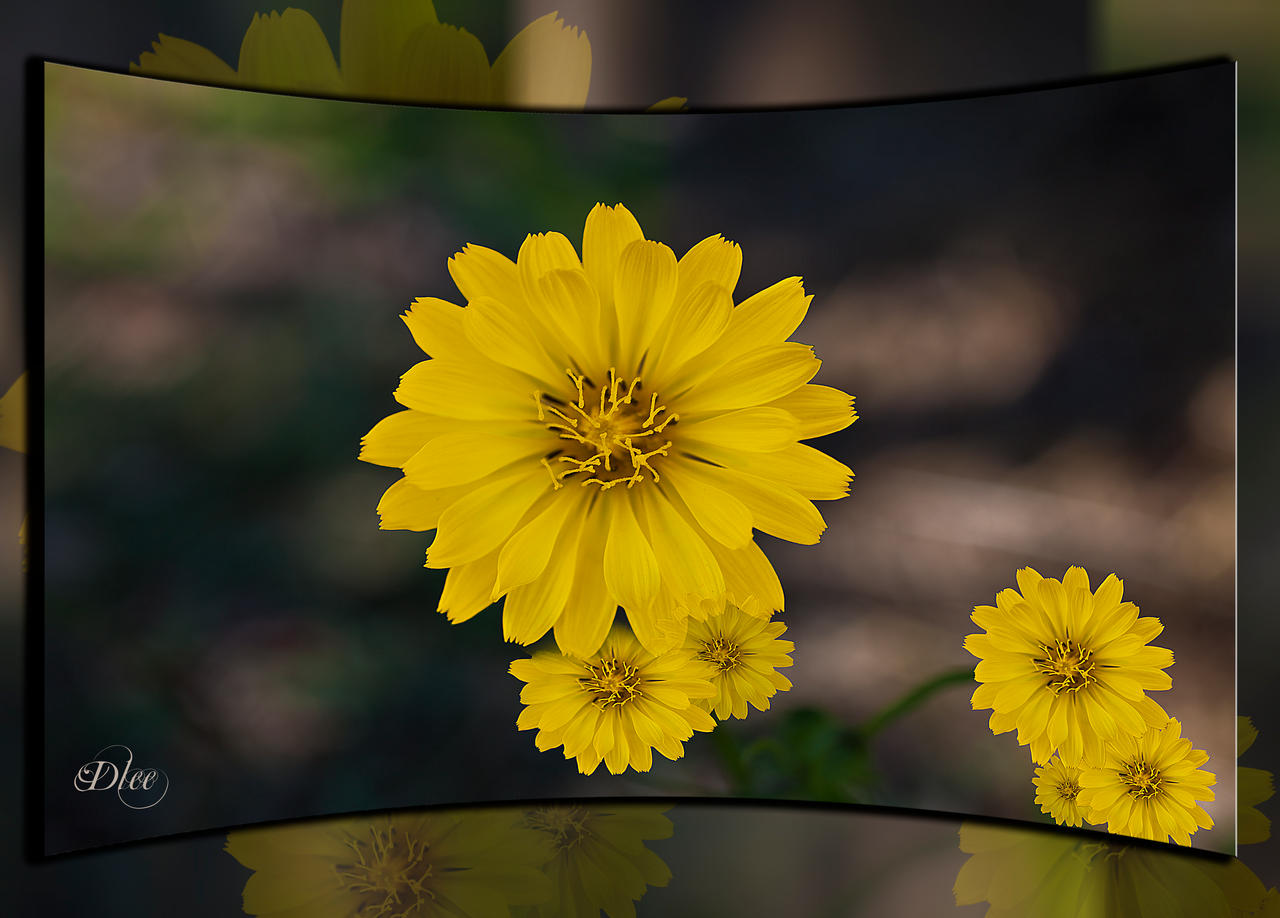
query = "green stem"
x=913 y=699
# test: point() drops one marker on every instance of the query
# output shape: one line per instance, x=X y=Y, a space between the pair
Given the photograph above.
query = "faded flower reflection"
x=392 y=50
x=594 y=844
x=1029 y=873
x=555 y=860
x=1253 y=786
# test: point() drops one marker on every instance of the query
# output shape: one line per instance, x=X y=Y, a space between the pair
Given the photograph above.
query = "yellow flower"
x=1253 y=786
x=1057 y=787
x=746 y=653
x=395 y=50
x=1148 y=786
x=616 y=706
x=441 y=863
x=600 y=861
x=13 y=435
x=1028 y=873
x=1068 y=668
x=607 y=432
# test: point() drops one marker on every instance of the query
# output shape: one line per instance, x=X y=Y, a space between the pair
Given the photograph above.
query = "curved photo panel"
x=398 y=456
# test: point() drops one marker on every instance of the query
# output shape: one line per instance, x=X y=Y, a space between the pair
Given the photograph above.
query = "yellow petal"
x=546 y=65
x=714 y=260
x=458 y=458
x=179 y=59
x=527 y=552
x=509 y=335
x=404 y=506
x=608 y=231
x=688 y=567
x=371 y=34
x=695 y=322
x=749 y=579
x=288 y=52
x=760 y=376
x=569 y=307
x=469 y=391
x=725 y=518
x=759 y=430
x=630 y=568
x=442 y=64
x=478 y=271
x=643 y=289
x=820 y=410
x=436 y=326
x=468 y=588
x=590 y=609
x=530 y=609
x=481 y=521
x=775 y=509
x=812 y=473
x=669 y=104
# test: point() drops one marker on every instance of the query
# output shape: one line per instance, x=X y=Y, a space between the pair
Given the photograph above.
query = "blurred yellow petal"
x=445 y=65
x=546 y=65
x=371 y=36
x=13 y=416
x=287 y=52
x=179 y=59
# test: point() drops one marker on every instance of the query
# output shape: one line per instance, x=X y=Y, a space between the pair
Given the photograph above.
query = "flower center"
x=389 y=871
x=723 y=654
x=1141 y=779
x=1069 y=665
x=1068 y=789
x=567 y=826
x=612 y=433
x=612 y=683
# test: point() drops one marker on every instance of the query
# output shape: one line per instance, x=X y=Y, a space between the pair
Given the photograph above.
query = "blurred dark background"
x=1029 y=294
x=989 y=49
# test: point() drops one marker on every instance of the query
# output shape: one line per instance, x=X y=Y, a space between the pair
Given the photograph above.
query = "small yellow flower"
x=430 y=865
x=1148 y=786
x=394 y=50
x=1057 y=787
x=746 y=654
x=607 y=431
x=1041 y=873
x=600 y=861
x=1253 y=786
x=616 y=706
x=1067 y=667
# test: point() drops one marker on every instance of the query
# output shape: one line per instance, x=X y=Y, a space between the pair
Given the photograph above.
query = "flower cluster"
x=543 y=861
x=607 y=431
x=1069 y=668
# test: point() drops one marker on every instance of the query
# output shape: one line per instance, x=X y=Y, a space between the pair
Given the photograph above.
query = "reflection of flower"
x=600 y=861
x=608 y=431
x=1068 y=668
x=391 y=49
x=13 y=435
x=1057 y=789
x=1148 y=786
x=1253 y=786
x=617 y=705
x=420 y=865
x=1026 y=873
x=746 y=653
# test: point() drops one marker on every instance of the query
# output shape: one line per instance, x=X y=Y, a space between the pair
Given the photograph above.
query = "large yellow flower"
x=746 y=653
x=617 y=706
x=1253 y=786
x=1067 y=667
x=407 y=865
x=1148 y=786
x=1026 y=873
x=395 y=50
x=599 y=860
x=606 y=431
